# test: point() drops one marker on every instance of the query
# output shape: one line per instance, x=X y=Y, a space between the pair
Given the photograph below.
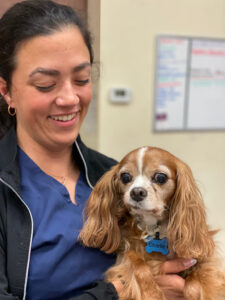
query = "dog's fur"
x=122 y=209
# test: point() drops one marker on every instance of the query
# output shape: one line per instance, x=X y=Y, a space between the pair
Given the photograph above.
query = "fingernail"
x=189 y=262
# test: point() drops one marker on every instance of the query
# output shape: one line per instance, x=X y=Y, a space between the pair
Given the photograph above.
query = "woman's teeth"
x=63 y=118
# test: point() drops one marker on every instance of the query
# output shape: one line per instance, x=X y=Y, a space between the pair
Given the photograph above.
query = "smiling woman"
x=46 y=172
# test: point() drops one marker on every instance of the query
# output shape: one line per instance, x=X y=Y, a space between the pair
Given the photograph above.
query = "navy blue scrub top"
x=60 y=267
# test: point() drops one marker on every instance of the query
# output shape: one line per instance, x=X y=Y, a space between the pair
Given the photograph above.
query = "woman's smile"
x=65 y=120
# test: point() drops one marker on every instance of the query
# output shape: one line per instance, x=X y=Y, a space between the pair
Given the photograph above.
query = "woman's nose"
x=67 y=96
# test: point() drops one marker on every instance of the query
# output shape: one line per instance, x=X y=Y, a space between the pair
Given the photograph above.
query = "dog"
x=148 y=209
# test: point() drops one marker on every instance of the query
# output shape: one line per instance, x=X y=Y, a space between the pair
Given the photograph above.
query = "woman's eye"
x=160 y=178
x=126 y=177
x=82 y=82
x=45 y=88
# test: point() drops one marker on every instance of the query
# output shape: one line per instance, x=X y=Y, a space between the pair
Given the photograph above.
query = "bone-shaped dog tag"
x=157 y=245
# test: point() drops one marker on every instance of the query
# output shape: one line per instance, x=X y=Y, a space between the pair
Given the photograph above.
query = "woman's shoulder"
x=101 y=159
x=96 y=163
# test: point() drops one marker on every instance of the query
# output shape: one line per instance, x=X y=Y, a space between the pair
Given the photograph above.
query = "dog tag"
x=157 y=245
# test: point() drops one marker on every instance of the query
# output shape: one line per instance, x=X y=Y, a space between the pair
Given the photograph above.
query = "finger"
x=171 y=282
x=177 y=265
x=119 y=286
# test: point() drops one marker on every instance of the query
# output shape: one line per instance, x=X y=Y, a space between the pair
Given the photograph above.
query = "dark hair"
x=25 y=20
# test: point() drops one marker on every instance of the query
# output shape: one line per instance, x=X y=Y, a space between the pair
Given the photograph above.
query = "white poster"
x=190 y=84
x=206 y=105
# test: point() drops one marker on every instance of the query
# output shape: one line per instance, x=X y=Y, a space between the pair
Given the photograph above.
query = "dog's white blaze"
x=140 y=181
x=141 y=153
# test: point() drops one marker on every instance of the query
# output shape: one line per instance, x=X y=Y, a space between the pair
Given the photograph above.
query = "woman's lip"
x=64 y=117
x=68 y=122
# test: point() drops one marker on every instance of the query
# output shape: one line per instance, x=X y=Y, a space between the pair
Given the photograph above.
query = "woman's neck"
x=57 y=162
x=51 y=161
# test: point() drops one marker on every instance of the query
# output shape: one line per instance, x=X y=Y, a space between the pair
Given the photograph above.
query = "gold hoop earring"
x=11 y=111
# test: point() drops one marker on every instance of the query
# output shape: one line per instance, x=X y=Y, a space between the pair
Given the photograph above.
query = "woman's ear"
x=4 y=91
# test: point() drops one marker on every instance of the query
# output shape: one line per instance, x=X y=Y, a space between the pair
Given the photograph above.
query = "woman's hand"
x=171 y=283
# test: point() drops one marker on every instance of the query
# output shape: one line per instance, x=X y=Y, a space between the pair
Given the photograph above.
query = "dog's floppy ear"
x=188 y=231
x=101 y=228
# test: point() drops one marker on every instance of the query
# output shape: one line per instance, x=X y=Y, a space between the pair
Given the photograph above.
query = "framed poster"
x=190 y=84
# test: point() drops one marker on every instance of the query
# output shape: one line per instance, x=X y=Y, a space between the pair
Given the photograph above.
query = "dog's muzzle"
x=138 y=194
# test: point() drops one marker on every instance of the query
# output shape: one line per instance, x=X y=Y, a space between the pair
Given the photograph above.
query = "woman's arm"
x=100 y=290
x=4 y=295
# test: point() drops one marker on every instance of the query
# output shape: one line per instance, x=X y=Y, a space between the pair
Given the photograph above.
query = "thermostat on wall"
x=120 y=95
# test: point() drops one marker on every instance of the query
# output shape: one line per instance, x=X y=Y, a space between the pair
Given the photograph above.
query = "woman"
x=46 y=177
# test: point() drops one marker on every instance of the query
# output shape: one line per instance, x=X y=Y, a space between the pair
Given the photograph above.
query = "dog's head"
x=146 y=179
x=156 y=186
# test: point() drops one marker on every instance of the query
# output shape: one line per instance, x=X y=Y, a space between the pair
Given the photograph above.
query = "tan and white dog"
x=148 y=200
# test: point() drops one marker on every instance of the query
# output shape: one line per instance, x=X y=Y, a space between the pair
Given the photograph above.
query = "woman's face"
x=51 y=88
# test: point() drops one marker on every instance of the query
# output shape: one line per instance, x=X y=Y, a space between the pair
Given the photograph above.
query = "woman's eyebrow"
x=52 y=72
x=81 y=67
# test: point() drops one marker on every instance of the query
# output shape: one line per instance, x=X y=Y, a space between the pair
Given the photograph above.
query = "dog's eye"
x=160 y=178
x=126 y=177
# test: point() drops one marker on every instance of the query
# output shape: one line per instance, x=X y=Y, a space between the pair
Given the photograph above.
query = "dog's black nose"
x=138 y=194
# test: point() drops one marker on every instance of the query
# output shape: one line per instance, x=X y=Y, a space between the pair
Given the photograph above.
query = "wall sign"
x=190 y=84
